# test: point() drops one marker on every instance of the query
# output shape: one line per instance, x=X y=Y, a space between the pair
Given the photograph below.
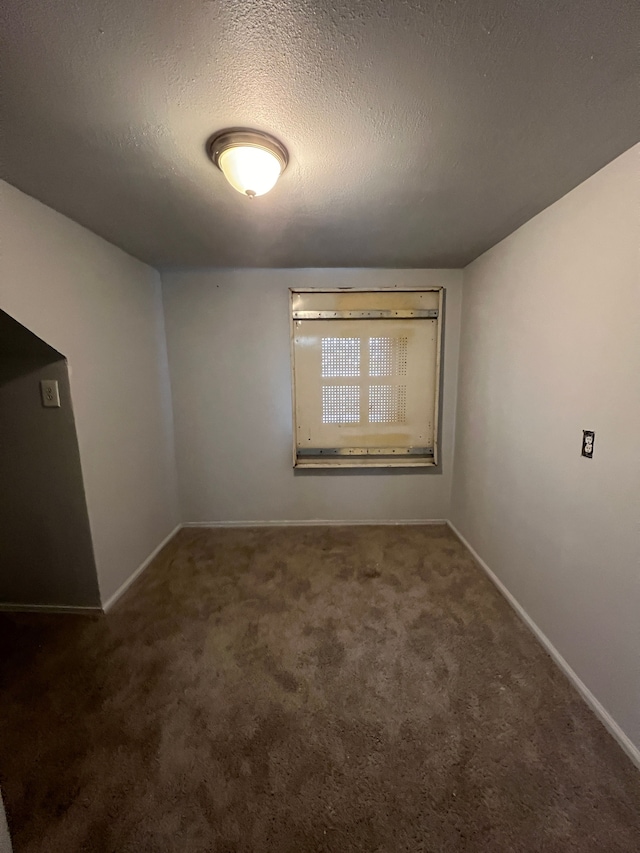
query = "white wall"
x=229 y=357
x=102 y=309
x=551 y=346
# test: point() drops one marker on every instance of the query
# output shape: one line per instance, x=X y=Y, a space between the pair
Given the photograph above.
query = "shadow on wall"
x=45 y=539
x=5 y=840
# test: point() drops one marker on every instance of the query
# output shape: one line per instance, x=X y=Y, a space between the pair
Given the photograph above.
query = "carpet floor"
x=298 y=690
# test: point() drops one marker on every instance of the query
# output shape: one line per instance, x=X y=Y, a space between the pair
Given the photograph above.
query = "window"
x=366 y=369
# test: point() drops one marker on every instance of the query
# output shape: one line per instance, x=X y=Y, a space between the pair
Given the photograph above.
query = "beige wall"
x=551 y=346
x=102 y=310
x=229 y=356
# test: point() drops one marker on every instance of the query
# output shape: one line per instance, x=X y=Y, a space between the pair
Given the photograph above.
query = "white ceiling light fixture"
x=251 y=161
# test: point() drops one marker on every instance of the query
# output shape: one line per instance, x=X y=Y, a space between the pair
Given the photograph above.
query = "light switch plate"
x=50 y=393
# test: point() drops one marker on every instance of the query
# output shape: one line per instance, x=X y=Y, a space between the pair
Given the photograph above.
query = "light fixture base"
x=233 y=138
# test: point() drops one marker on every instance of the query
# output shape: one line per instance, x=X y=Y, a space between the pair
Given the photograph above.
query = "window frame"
x=348 y=460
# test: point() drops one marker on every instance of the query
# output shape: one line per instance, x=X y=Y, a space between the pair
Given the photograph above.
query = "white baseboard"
x=601 y=713
x=125 y=586
x=49 y=608
x=315 y=522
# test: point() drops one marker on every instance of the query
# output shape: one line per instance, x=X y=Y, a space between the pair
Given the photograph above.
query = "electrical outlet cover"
x=50 y=393
x=588 y=437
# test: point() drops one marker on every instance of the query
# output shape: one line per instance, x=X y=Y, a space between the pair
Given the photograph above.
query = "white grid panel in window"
x=340 y=357
x=388 y=356
x=340 y=404
x=387 y=404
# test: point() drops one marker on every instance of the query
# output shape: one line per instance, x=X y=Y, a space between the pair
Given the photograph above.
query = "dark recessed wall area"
x=45 y=540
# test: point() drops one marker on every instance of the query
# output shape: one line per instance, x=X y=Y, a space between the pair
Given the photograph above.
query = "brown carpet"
x=303 y=690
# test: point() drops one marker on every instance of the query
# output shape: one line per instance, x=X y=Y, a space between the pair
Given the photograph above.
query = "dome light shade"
x=252 y=162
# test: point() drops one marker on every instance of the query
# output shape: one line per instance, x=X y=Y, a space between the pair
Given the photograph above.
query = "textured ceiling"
x=420 y=133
